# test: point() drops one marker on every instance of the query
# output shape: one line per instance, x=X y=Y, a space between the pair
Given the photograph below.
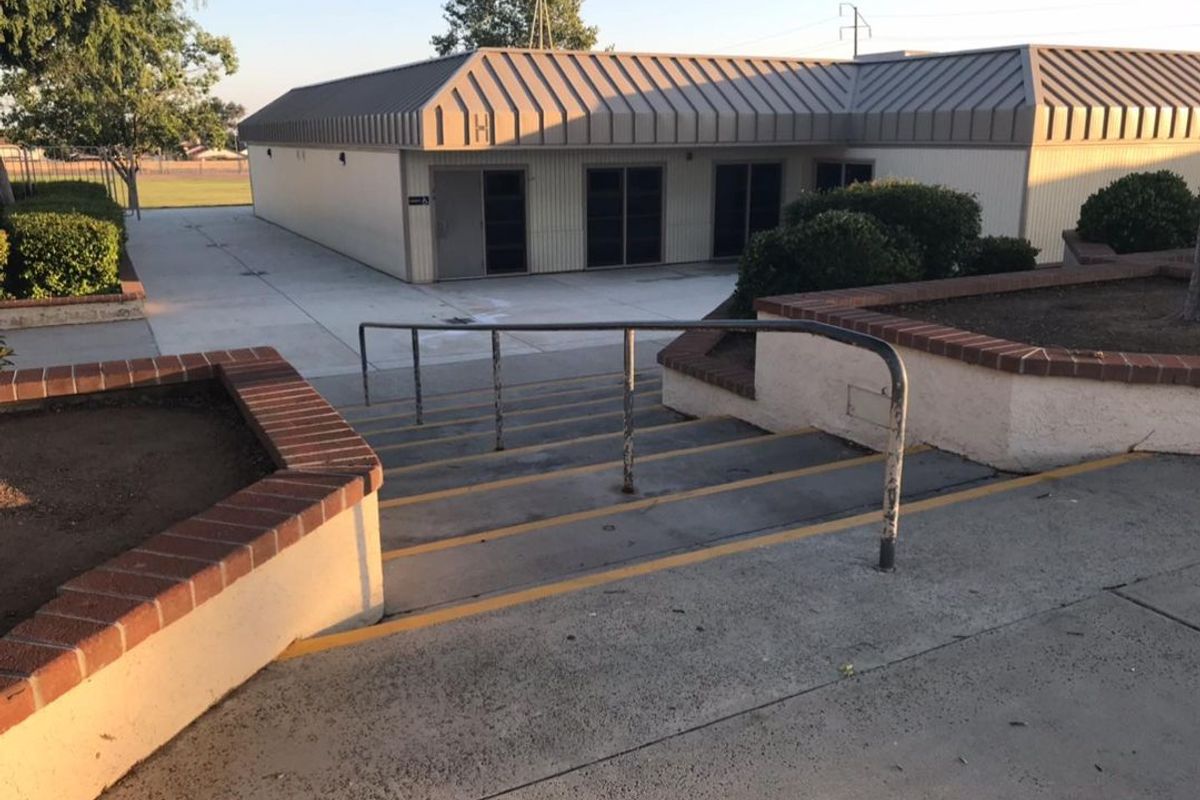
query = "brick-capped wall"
x=323 y=468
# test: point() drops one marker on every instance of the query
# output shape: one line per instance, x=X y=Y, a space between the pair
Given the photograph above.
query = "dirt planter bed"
x=1015 y=405
x=131 y=651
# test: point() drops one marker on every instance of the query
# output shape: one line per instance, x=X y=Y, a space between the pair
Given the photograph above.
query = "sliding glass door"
x=624 y=216
x=747 y=200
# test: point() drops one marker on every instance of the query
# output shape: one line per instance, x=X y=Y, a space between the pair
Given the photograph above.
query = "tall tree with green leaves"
x=134 y=75
x=507 y=23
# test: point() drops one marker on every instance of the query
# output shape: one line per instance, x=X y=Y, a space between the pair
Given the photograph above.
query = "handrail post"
x=497 y=387
x=418 y=399
x=630 y=373
x=362 y=351
x=893 y=468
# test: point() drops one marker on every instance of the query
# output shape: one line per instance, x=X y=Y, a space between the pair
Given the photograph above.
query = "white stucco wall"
x=1063 y=176
x=354 y=208
x=1013 y=422
x=74 y=747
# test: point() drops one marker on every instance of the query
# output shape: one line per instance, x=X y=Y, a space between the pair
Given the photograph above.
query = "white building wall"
x=556 y=213
x=354 y=208
x=995 y=175
x=1062 y=177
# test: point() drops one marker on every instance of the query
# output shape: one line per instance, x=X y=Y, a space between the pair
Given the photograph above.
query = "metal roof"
x=516 y=98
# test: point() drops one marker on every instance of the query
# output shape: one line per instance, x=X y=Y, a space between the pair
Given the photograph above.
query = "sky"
x=282 y=44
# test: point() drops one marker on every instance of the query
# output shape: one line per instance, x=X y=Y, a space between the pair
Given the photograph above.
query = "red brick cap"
x=323 y=467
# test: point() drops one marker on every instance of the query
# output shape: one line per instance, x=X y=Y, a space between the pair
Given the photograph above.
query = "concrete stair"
x=462 y=520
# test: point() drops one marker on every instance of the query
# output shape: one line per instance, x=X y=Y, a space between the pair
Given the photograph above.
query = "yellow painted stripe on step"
x=689 y=558
x=615 y=388
x=507 y=430
x=595 y=437
x=617 y=397
x=488 y=389
x=505 y=483
x=637 y=505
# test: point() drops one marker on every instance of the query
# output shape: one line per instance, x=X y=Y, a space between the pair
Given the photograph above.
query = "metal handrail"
x=894 y=464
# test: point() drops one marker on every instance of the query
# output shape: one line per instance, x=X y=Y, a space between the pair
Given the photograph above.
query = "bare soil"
x=82 y=484
x=1136 y=316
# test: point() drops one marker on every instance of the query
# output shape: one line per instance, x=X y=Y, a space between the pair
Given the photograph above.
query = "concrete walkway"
x=220 y=278
x=1040 y=639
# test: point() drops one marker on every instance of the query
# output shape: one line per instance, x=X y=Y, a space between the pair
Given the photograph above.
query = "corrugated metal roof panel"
x=516 y=98
x=1110 y=94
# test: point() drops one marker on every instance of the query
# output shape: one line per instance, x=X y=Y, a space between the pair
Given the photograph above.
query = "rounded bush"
x=1141 y=211
x=993 y=254
x=62 y=255
x=942 y=221
x=833 y=250
x=3 y=261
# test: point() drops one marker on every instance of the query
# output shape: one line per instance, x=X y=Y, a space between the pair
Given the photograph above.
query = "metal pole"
x=362 y=350
x=893 y=469
x=497 y=387
x=416 y=348
x=630 y=379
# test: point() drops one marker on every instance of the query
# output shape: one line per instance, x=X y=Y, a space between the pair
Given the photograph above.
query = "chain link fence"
x=29 y=166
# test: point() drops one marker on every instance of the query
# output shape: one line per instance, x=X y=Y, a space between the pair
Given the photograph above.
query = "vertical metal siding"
x=1062 y=177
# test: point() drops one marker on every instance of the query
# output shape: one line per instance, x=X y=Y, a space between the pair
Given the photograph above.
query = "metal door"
x=458 y=215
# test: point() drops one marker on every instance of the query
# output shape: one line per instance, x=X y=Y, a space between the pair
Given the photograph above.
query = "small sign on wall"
x=418 y=199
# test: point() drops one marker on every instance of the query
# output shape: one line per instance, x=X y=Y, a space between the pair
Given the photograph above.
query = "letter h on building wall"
x=483 y=129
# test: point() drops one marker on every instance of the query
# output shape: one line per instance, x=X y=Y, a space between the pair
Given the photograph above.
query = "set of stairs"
x=461 y=520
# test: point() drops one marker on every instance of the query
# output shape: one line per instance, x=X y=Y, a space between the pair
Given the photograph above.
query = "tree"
x=127 y=74
x=214 y=123
x=507 y=23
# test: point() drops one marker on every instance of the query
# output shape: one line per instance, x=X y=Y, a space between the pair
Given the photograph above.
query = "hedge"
x=3 y=261
x=82 y=197
x=993 y=254
x=833 y=250
x=1141 y=211
x=62 y=254
x=943 y=222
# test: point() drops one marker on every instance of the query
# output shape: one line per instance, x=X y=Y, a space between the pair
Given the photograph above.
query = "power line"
x=781 y=33
x=998 y=11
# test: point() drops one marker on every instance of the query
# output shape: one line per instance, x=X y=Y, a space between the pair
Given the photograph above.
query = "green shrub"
x=3 y=260
x=833 y=250
x=1141 y=211
x=62 y=254
x=993 y=254
x=80 y=197
x=944 y=222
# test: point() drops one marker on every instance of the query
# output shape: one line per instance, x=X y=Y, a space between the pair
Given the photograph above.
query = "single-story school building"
x=503 y=161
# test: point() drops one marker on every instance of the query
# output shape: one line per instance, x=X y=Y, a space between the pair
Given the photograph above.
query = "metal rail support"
x=630 y=381
x=498 y=390
x=893 y=466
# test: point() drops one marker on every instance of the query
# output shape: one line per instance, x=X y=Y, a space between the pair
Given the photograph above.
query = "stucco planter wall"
x=131 y=652
x=1013 y=406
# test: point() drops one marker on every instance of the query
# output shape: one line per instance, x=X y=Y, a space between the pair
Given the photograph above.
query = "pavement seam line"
x=507 y=415
x=637 y=505
x=689 y=558
x=584 y=469
x=952 y=642
x=615 y=388
x=539 y=447
x=1154 y=609
x=507 y=430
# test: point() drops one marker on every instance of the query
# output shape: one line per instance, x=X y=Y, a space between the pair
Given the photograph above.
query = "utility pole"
x=854 y=26
x=539 y=26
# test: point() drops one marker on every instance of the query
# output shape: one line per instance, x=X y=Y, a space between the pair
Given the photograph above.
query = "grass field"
x=210 y=189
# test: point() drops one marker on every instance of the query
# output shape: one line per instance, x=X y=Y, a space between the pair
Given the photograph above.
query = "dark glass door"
x=729 y=210
x=748 y=197
x=624 y=216
x=504 y=221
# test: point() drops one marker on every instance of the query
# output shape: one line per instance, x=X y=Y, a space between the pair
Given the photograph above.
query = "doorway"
x=480 y=222
x=747 y=199
x=624 y=216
